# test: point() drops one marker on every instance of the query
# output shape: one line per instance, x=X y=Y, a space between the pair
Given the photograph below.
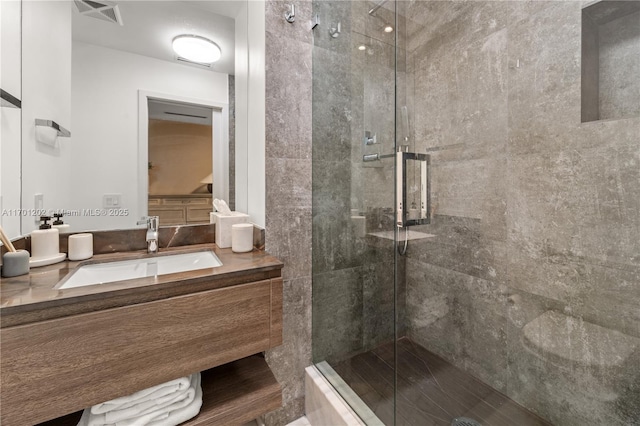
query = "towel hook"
x=291 y=15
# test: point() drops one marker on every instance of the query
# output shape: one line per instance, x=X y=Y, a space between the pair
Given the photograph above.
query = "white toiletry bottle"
x=45 y=241
x=60 y=225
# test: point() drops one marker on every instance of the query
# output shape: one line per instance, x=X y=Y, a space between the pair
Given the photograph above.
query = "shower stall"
x=476 y=210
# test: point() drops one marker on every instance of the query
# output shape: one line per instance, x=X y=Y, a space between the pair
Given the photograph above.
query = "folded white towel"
x=150 y=406
x=163 y=412
x=183 y=414
x=151 y=393
x=84 y=420
x=142 y=413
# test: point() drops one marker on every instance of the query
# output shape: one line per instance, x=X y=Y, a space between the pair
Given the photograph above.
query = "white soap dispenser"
x=45 y=245
x=60 y=225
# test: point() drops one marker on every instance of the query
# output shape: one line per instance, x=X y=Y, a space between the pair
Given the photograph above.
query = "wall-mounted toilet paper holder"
x=50 y=123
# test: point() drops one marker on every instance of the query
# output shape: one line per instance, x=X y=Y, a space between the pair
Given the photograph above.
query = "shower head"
x=375 y=8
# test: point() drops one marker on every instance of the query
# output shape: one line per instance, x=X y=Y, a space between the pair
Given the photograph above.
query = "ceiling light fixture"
x=196 y=49
x=388 y=28
x=362 y=47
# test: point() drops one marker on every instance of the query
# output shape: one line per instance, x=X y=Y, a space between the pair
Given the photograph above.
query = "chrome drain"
x=464 y=421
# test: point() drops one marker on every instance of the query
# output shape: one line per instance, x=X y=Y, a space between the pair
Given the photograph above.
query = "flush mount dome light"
x=196 y=49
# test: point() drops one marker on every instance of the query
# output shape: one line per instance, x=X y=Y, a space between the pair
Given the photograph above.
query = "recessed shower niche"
x=610 y=60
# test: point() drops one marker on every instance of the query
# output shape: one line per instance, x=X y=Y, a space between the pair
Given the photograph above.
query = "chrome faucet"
x=152 y=232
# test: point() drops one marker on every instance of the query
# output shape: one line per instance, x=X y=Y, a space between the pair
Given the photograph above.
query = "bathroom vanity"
x=66 y=349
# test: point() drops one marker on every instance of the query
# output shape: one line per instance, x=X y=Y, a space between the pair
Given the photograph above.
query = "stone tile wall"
x=288 y=197
x=533 y=210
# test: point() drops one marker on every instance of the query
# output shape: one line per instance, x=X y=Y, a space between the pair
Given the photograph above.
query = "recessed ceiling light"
x=388 y=28
x=196 y=49
x=362 y=47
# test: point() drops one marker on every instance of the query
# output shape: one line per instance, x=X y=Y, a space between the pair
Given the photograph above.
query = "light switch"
x=110 y=201
x=38 y=201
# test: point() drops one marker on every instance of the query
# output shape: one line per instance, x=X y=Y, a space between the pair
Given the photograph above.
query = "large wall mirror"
x=152 y=132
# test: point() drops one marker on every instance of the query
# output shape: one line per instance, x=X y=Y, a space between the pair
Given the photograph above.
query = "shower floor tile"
x=431 y=391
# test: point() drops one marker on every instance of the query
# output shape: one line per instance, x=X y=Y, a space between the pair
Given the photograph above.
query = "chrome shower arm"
x=375 y=8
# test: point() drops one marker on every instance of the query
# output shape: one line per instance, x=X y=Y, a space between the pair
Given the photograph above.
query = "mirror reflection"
x=180 y=139
x=147 y=124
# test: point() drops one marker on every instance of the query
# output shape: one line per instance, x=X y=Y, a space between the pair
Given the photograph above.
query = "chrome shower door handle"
x=401 y=177
x=420 y=164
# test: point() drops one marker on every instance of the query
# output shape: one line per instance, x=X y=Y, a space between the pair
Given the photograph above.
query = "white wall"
x=105 y=122
x=250 y=111
x=46 y=94
x=10 y=81
x=256 y=129
x=242 y=108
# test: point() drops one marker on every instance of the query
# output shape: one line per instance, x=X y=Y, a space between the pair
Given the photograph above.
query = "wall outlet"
x=110 y=201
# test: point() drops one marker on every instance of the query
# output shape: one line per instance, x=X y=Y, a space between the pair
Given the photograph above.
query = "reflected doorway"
x=180 y=166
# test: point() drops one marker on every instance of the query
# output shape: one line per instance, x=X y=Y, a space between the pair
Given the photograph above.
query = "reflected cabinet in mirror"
x=152 y=125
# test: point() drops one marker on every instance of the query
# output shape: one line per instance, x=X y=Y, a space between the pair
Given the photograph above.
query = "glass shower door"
x=354 y=263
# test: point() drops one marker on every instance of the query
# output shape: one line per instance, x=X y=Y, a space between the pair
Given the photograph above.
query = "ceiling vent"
x=200 y=64
x=103 y=10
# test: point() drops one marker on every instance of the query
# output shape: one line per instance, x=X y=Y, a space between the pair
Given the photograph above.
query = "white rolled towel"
x=86 y=414
x=146 y=411
x=174 y=414
x=160 y=405
x=183 y=414
x=177 y=385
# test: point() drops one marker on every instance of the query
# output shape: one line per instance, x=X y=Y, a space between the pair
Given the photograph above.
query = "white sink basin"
x=100 y=273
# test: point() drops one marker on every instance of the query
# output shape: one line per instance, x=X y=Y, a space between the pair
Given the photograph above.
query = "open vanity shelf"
x=234 y=393
x=237 y=393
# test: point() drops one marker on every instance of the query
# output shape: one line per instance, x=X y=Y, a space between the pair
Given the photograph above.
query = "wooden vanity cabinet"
x=58 y=366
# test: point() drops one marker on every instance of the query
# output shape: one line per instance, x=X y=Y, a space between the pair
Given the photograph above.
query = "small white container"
x=80 y=246
x=242 y=237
